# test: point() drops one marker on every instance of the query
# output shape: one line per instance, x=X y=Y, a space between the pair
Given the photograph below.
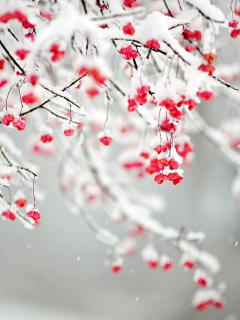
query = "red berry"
x=189 y=264
x=152 y=264
x=116 y=268
x=79 y=126
x=128 y=3
x=35 y=215
x=153 y=44
x=129 y=53
x=218 y=304
x=174 y=177
x=234 y=33
x=46 y=15
x=206 y=68
x=56 y=53
x=92 y=92
x=7 y=119
x=20 y=202
x=187 y=34
x=2 y=63
x=22 y=54
x=206 y=95
x=197 y=35
x=202 y=306
x=168 y=103
x=184 y=148
x=101 y=6
x=46 y=138
x=19 y=124
x=97 y=76
x=82 y=71
x=128 y=29
x=175 y=113
x=191 y=104
x=30 y=35
x=19 y=16
x=202 y=282
x=209 y=57
x=141 y=97
x=6 y=176
x=132 y=105
x=68 y=132
x=106 y=141
x=30 y=98
x=167 y=266
x=144 y=155
x=190 y=48
x=168 y=126
x=4 y=18
x=26 y=24
x=160 y=178
x=33 y=79
x=3 y=82
x=9 y=215
x=233 y=23
x=237 y=11
x=136 y=231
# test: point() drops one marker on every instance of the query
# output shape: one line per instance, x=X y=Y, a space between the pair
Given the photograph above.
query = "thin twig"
x=55 y=95
x=119 y=15
x=59 y=95
x=12 y=34
x=11 y=57
x=34 y=198
x=167 y=7
x=203 y=14
x=84 y=6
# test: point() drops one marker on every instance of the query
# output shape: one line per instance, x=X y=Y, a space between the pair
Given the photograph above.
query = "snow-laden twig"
x=216 y=138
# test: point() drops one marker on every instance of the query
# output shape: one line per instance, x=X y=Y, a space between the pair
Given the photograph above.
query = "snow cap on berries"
x=68 y=128
x=32 y=212
x=130 y=246
x=187 y=262
x=19 y=123
x=117 y=265
x=46 y=134
x=201 y=278
x=150 y=256
x=105 y=137
x=20 y=199
x=205 y=298
x=105 y=133
x=166 y=262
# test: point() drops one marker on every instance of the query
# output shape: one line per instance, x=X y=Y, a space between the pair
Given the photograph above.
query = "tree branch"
x=84 y=6
x=149 y=224
x=11 y=57
x=215 y=137
x=54 y=96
